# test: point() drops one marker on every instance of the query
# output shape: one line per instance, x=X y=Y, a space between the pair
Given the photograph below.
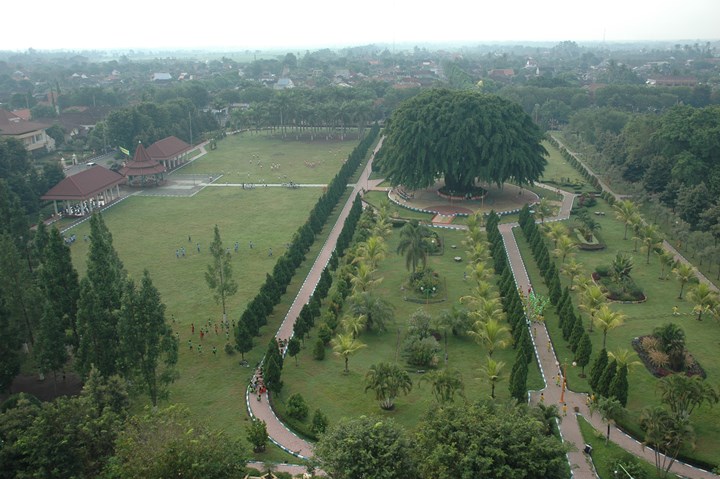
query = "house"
x=501 y=73
x=32 y=135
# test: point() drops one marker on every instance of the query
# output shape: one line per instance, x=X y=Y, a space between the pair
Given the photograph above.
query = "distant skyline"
x=307 y=24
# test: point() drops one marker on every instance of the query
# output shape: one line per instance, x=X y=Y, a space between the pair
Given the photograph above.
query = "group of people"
x=257 y=385
x=82 y=208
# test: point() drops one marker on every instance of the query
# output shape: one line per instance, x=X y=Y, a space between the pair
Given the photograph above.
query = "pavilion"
x=143 y=170
x=171 y=152
x=80 y=194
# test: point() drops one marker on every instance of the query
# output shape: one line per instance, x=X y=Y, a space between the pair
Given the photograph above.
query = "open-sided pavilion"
x=80 y=194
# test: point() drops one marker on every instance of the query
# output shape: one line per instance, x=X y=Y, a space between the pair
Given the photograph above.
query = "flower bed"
x=631 y=295
x=695 y=369
x=476 y=193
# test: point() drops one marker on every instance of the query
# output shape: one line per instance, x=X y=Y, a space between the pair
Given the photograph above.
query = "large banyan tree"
x=463 y=136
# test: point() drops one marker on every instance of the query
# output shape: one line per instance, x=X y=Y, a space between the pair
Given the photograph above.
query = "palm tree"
x=703 y=297
x=545 y=209
x=606 y=320
x=487 y=309
x=457 y=319
x=624 y=211
x=549 y=416
x=667 y=259
x=345 y=345
x=636 y=223
x=382 y=227
x=683 y=393
x=388 y=380
x=491 y=334
x=667 y=434
x=555 y=231
x=591 y=299
x=484 y=291
x=672 y=339
x=371 y=251
x=363 y=278
x=572 y=269
x=412 y=244
x=377 y=310
x=492 y=373
x=610 y=410
x=624 y=357
x=684 y=272
x=446 y=383
x=480 y=272
x=353 y=324
x=650 y=239
x=478 y=252
x=565 y=246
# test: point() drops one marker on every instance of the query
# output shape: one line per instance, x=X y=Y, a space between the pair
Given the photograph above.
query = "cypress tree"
x=619 y=385
x=577 y=334
x=598 y=368
x=569 y=325
x=518 y=378
x=526 y=345
x=583 y=352
x=243 y=337
x=319 y=350
x=606 y=379
x=272 y=373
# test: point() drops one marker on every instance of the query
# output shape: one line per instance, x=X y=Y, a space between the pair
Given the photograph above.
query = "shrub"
x=421 y=352
x=319 y=422
x=319 y=350
x=296 y=407
x=229 y=349
x=324 y=333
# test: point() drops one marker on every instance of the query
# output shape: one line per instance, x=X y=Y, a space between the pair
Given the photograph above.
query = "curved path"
x=279 y=434
x=580 y=464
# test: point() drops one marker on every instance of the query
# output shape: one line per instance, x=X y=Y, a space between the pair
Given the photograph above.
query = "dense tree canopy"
x=486 y=440
x=463 y=136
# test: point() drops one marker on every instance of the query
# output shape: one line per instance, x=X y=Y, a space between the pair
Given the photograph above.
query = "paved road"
x=277 y=431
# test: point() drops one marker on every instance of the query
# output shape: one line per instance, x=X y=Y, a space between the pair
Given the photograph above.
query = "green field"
x=148 y=230
x=259 y=159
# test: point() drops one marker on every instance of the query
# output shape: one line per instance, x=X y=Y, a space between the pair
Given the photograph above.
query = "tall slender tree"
x=219 y=273
x=99 y=303
x=148 y=348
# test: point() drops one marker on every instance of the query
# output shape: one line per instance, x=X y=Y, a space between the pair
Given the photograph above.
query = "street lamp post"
x=564 y=380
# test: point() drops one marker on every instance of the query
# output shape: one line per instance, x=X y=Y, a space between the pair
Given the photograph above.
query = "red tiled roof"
x=167 y=148
x=84 y=185
x=142 y=164
x=11 y=124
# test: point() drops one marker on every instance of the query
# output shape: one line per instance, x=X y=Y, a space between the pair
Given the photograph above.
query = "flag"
x=127 y=153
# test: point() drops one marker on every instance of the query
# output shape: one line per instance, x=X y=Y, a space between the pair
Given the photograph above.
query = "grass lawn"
x=606 y=455
x=261 y=158
x=376 y=197
x=558 y=167
x=702 y=337
x=146 y=233
x=324 y=385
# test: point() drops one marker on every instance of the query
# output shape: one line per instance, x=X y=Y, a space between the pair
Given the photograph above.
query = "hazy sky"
x=296 y=24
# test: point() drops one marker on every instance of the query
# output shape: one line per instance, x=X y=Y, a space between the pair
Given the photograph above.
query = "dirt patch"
x=47 y=389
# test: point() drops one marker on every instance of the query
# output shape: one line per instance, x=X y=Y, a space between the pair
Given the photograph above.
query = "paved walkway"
x=549 y=367
x=279 y=434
